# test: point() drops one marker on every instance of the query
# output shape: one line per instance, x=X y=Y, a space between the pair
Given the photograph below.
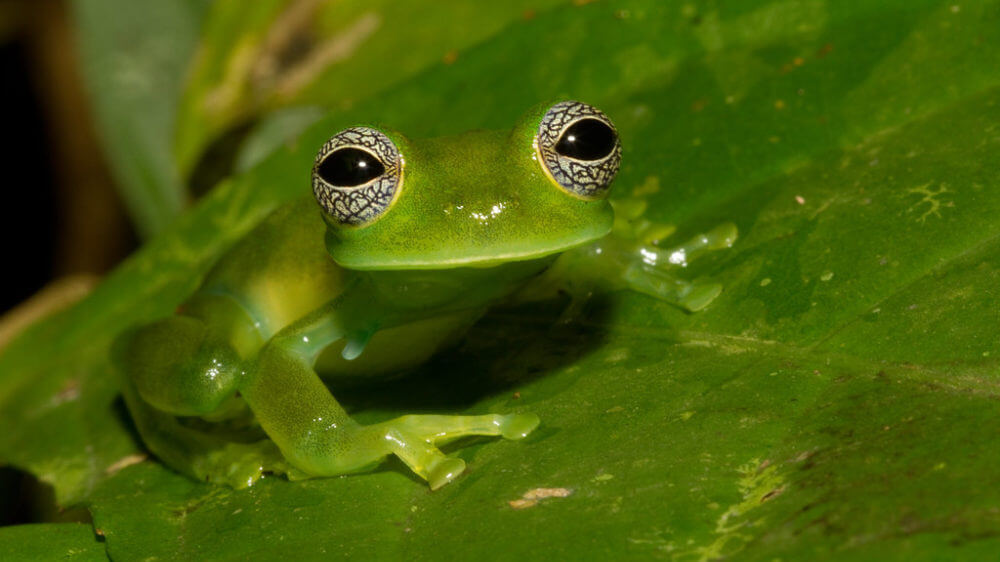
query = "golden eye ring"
x=357 y=176
x=578 y=148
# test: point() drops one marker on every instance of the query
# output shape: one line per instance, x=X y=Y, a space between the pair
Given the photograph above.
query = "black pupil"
x=349 y=167
x=587 y=139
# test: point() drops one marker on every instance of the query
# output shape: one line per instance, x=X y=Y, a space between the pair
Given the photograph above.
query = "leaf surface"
x=837 y=401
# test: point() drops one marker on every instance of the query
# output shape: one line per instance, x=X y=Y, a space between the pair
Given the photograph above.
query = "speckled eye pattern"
x=358 y=205
x=588 y=179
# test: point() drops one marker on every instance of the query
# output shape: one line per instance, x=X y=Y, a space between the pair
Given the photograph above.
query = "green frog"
x=403 y=245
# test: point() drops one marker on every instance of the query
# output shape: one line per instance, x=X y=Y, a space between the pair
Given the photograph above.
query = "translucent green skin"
x=475 y=218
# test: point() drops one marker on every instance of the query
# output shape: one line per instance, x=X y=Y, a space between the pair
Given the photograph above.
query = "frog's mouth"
x=450 y=258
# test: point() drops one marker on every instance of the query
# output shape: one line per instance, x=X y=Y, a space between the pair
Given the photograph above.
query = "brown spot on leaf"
x=124 y=462
x=293 y=54
x=522 y=504
x=531 y=497
x=773 y=493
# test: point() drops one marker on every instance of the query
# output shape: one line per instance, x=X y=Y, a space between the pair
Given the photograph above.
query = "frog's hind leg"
x=179 y=367
x=198 y=454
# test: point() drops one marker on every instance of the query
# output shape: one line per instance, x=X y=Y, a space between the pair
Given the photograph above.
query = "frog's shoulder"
x=296 y=223
x=300 y=217
x=286 y=244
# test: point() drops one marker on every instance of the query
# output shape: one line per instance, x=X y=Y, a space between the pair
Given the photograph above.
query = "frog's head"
x=477 y=199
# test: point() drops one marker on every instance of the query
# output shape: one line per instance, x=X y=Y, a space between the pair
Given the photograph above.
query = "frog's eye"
x=357 y=175
x=578 y=148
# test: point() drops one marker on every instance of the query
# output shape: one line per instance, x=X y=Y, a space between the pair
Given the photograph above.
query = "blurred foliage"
x=178 y=84
x=63 y=191
x=835 y=402
x=134 y=58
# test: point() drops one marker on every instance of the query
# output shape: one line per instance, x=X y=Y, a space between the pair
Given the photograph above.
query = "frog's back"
x=281 y=270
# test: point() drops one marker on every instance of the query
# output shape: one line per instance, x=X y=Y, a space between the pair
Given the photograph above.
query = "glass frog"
x=402 y=247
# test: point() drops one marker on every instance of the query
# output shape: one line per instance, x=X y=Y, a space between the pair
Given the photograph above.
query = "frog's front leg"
x=631 y=258
x=317 y=436
x=649 y=270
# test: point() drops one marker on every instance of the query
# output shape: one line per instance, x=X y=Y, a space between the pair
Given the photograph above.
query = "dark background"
x=60 y=214
x=61 y=217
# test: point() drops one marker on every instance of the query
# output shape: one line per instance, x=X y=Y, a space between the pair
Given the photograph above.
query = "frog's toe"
x=719 y=238
x=518 y=426
x=722 y=236
x=700 y=296
x=237 y=465
x=237 y=476
x=444 y=471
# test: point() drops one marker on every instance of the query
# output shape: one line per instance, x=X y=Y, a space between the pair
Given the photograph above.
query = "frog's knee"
x=178 y=367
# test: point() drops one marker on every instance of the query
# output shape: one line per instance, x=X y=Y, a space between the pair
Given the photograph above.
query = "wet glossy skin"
x=357 y=290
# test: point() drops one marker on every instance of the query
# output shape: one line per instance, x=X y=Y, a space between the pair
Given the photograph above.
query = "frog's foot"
x=240 y=465
x=719 y=238
x=649 y=280
x=413 y=438
x=652 y=275
x=439 y=430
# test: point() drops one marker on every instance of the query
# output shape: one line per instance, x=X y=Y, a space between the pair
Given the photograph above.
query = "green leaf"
x=134 y=57
x=176 y=84
x=330 y=55
x=837 y=401
x=51 y=541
